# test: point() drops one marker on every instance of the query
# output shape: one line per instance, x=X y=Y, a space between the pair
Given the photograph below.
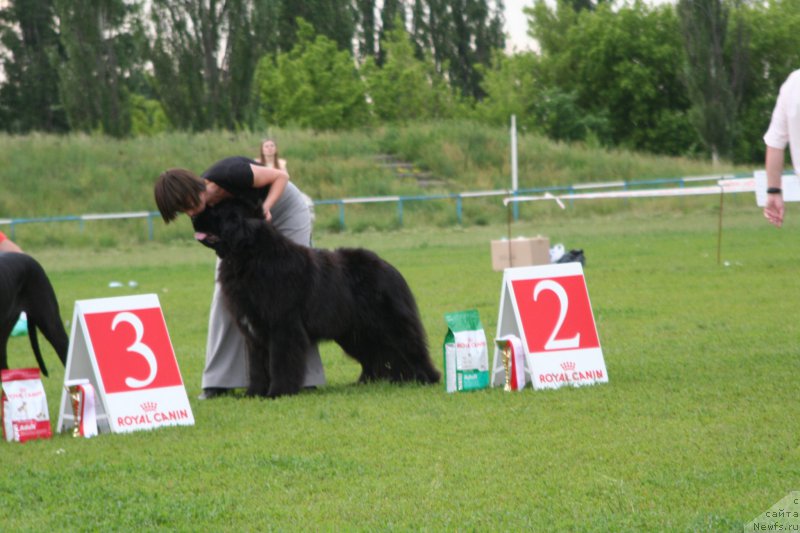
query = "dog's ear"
x=237 y=229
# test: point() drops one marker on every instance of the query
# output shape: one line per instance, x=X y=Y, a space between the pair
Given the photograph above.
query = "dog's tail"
x=35 y=345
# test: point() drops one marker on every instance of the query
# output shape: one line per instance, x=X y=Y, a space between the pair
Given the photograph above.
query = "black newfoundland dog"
x=288 y=296
x=24 y=286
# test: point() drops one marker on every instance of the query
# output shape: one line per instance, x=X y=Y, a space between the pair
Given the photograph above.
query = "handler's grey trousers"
x=226 y=361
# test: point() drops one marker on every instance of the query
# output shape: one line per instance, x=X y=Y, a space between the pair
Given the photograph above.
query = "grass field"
x=696 y=429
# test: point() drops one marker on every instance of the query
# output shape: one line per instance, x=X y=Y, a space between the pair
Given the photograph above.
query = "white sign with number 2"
x=548 y=308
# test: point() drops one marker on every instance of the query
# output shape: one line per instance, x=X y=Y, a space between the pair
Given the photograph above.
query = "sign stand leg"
x=719 y=227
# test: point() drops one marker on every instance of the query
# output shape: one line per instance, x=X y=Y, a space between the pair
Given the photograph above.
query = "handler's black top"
x=235 y=176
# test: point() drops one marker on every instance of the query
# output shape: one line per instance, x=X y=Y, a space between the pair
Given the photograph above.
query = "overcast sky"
x=517 y=25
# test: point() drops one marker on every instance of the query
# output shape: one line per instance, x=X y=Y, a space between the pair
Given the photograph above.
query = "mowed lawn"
x=696 y=429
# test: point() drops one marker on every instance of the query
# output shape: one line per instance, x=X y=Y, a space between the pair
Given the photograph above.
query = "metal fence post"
x=400 y=212
x=150 y=233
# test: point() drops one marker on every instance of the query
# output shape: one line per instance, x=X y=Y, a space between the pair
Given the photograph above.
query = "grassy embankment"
x=49 y=176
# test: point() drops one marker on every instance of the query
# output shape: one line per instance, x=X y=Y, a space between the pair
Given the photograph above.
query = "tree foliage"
x=513 y=86
x=98 y=38
x=773 y=53
x=666 y=78
x=28 y=99
x=460 y=34
x=335 y=19
x=204 y=55
x=405 y=88
x=623 y=65
x=714 y=79
x=315 y=85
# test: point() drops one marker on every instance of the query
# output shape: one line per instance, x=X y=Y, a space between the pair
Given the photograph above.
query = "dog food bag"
x=25 y=414
x=466 y=360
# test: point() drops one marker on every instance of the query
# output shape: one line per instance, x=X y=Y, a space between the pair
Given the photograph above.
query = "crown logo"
x=149 y=407
x=568 y=366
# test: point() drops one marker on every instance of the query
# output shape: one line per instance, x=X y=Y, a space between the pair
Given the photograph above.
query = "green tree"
x=98 y=37
x=335 y=19
x=558 y=115
x=28 y=98
x=366 y=28
x=405 y=88
x=623 y=65
x=147 y=116
x=513 y=86
x=392 y=16
x=204 y=53
x=460 y=34
x=315 y=85
x=714 y=82
x=773 y=53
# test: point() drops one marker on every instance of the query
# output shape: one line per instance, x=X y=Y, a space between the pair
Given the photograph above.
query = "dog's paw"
x=276 y=391
x=256 y=392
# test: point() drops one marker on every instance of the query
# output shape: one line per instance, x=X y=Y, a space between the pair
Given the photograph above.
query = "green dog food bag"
x=466 y=359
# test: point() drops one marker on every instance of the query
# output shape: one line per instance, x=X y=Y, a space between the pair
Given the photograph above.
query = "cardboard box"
x=524 y=252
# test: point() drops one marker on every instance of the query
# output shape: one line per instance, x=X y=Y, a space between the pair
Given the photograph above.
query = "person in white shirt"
x=784 y=128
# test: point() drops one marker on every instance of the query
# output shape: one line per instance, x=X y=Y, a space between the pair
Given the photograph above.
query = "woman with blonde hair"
x=269 y=158
x=269 y=155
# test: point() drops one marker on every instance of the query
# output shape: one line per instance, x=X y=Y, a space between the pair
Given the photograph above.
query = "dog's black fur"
x=288 y=296
x=24 y=286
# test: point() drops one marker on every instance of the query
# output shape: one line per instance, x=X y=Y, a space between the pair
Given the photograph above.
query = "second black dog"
x=288 y=296
x=24 y=286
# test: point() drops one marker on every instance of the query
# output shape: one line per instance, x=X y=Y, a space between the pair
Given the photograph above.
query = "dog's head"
x=228 y=226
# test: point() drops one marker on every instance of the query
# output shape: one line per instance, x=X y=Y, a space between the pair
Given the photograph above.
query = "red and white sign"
x=548 y=307
x=122 y=346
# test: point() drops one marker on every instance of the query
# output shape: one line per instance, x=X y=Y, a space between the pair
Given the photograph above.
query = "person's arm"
x=774 y=208
x=273 y=178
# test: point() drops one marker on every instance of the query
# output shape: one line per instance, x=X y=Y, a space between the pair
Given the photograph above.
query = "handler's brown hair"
x=177 y=190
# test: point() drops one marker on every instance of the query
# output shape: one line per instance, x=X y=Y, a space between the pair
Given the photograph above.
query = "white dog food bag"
x=466 y=360
x=25 y=414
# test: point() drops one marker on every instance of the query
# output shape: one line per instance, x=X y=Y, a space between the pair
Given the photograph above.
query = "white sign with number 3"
x=548 y=308
x=121 y=345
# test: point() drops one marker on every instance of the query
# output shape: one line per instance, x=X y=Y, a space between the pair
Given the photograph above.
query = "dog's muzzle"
x=206 y=238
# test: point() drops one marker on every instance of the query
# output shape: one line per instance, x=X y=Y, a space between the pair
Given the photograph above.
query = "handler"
x=784 y=128
x=180 y=191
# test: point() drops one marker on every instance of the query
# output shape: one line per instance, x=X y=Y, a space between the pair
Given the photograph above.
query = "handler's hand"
x=773 y=209
x=267 y=213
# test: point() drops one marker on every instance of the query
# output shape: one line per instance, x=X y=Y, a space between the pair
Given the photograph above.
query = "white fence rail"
x=616 y=189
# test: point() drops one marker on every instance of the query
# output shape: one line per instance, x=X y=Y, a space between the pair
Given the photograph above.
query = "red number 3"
x=139 y=348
